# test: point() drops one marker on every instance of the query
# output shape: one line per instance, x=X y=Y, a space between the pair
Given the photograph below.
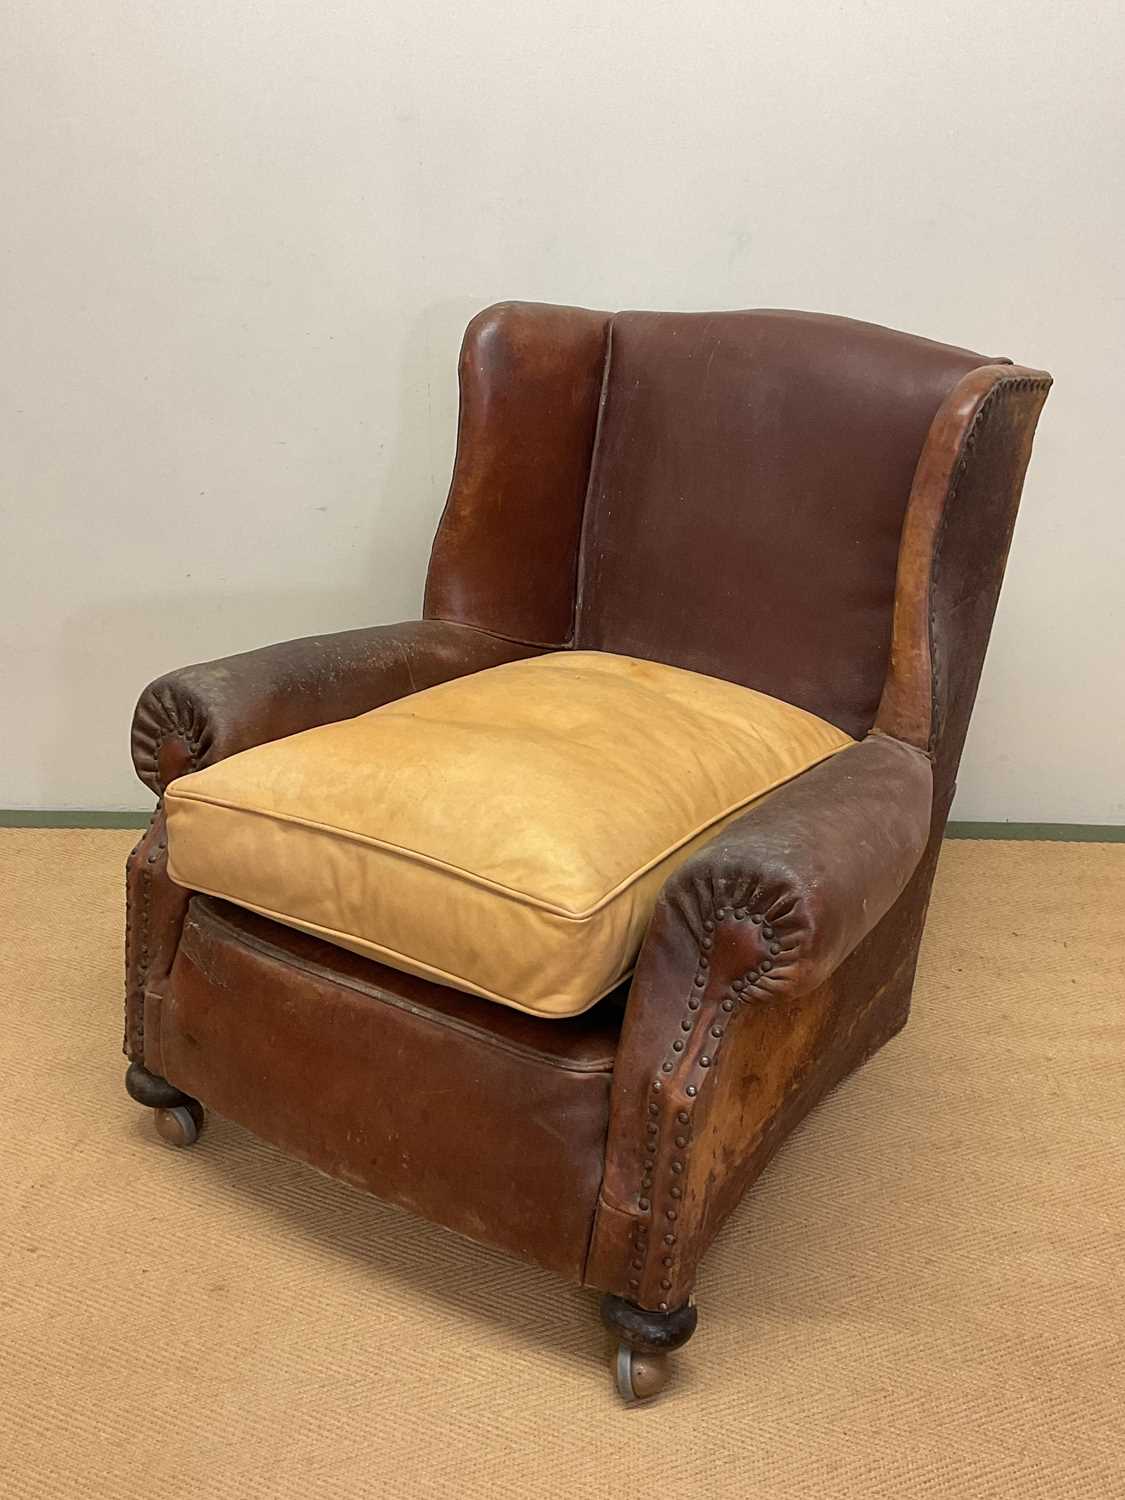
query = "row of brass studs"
x=678 y=1164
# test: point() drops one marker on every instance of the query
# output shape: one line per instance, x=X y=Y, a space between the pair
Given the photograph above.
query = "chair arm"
x=193 y=717
x=717 y=1032
x=783 y=894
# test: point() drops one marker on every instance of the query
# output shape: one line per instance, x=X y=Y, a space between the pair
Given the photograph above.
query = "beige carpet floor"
x=924 y=1296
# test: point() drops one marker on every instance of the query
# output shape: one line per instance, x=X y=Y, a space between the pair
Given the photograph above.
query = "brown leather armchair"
x=815 y=508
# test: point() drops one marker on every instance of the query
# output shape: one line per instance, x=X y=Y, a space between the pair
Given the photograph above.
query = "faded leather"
x=955 y=544
x=198 y=715
x=469 y=1114
x=676 y=501
x=506 y=832
x=747 y=498
x=753 y=923
x=504 y=555
x=154 y=914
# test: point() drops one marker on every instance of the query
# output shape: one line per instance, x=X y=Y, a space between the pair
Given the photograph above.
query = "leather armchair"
x=816 y=508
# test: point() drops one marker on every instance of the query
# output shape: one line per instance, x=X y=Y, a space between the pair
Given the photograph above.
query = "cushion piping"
x=375 y=950
x=472 y=876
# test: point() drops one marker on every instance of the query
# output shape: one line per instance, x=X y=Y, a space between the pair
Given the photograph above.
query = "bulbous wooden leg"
x=646 y=1339
x=178 y=1117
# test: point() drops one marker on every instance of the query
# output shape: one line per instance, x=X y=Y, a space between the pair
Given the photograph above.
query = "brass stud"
x=656 y=1085
x=708 y=926
x=685 y=1025
x=677 y=1166
x=722 y=913
x=677 y=1046
x=704 y=963
x=663 y=1307
x=669 y=1239
x=704 y=1062
x=634 y=1281
x=683 y=1116
x=693 y=1002
x=742 y=913
x=691 y=1091
x=643 y=1204
x=681 y=1141
x=706 y=944
x=767 y=965
x=654 y=1109
x=728 y=1005
x=676 y=1191
x=666 y=1284
x=667 y=1068
x=669 y=1260
x=756 y=919
x=638 y=1265
x=672 y=1215
x=699 y=981
x=653 y=1128
x=738 y=986
x=767 y=931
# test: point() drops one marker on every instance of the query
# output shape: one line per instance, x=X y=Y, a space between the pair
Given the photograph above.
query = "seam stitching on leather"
x=1002 y=387
x=595 y=446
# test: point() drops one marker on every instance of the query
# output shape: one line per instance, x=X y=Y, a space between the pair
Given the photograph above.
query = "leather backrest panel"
x=749 y=482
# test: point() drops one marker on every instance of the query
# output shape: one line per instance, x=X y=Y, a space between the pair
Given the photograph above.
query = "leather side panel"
x=954 y=549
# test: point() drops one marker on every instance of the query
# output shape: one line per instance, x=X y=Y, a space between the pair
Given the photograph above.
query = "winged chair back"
x=812 y=507
x=730 y=493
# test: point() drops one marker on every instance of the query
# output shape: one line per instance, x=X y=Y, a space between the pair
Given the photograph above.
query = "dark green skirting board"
x=1053 y=833
x=65 y=818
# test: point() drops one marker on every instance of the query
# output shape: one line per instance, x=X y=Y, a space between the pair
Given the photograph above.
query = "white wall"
x=240 y=242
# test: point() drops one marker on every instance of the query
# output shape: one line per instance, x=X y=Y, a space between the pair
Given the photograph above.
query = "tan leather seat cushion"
x=506 y=833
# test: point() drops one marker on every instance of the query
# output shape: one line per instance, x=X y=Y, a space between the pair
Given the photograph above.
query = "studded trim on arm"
x=690 y=1061
x=154 y=914
x=754 y=923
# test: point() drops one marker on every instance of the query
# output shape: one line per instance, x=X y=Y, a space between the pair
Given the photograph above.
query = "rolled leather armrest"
x=197 y=715
x=732 y=998
x=817 y=862
x=779 y=898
